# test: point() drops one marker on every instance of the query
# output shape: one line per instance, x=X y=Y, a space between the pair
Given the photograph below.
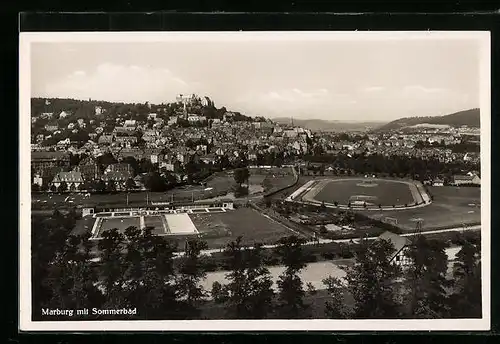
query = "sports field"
x=164 y=224
x=451 y=207
x=372 y=191
x=218 y=229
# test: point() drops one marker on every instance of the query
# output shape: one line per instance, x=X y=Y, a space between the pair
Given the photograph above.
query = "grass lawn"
x=452 y=206
x=386 y=192
x=218 y=229
x=273 y=182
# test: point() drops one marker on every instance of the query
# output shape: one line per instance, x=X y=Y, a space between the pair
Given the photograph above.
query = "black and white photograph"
x=255 y=181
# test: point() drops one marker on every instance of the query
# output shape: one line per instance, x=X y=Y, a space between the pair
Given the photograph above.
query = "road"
x=327 y=241
x=313 y=273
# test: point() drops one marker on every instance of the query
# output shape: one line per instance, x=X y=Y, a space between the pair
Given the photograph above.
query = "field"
x=218 y=229
x=383 y=192
x=217 y=185
x=452 y=206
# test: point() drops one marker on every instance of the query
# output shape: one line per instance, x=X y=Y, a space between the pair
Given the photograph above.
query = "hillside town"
x=192 y=136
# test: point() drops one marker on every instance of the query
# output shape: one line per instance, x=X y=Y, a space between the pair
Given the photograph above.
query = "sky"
x=347 y=80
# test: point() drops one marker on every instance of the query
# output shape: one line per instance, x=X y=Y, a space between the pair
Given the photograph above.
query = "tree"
x=130 y=184
x=49 y=236
x=241 y=175
x=111 y=186
x=191 y=272
x=105 y=160
x=371 y=281
x=426 y=281
x=146 y=166
x=99 y=185
x=323 y=230
x=335 y=306
x=113 y=268
x=290 y=286
x=249 y=294
x=72 y=278
x=154 y=182
x=147 y=268
x=466 y=297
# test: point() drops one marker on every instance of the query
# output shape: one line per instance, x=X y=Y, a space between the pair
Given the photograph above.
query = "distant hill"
x=333 y=126
x=469 y=118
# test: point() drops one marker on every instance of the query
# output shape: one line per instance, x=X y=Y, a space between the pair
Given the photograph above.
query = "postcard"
x=254 y=181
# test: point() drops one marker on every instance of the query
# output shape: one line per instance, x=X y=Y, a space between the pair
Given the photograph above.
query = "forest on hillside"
x=469 y=118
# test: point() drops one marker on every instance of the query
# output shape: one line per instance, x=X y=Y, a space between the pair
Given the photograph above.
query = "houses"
x=38 y=180
x=39 y=138
x=401 y=246
x=98 y=110
x=195 y=118
x=126 y=140
x=466 y=180
x=42 y=159
x=135 y=153
x=51 y=127
x=72 y=179
x=47 y=115
x=64 y=114
x=155 y=156
x=437 y=182
x=106 y=139
x=120 y=167
x=130 y=123
x=126 y=130
x=206 y=101
x=173 y=120
x=64 y=143
x=88 y=168
x=118 y=177
x=171 y=164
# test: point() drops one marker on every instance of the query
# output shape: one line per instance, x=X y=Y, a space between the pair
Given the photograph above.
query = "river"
x=313 y=273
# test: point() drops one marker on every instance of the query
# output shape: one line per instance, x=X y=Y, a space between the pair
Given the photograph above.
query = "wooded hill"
x=469 y=118
x=86 y=109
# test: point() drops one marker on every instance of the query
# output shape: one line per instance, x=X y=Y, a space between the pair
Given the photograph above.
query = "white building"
x=130 y=123
x=63 y=114
x=401 y=246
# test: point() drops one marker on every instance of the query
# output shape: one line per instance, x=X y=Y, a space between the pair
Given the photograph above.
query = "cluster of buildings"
x=52 y=169
x=172 y=141
x=425 y=144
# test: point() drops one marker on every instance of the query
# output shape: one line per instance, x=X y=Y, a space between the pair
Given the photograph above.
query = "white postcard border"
x=25 y=320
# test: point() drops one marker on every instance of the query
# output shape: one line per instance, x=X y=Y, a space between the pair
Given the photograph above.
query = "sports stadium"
x=363 y=193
